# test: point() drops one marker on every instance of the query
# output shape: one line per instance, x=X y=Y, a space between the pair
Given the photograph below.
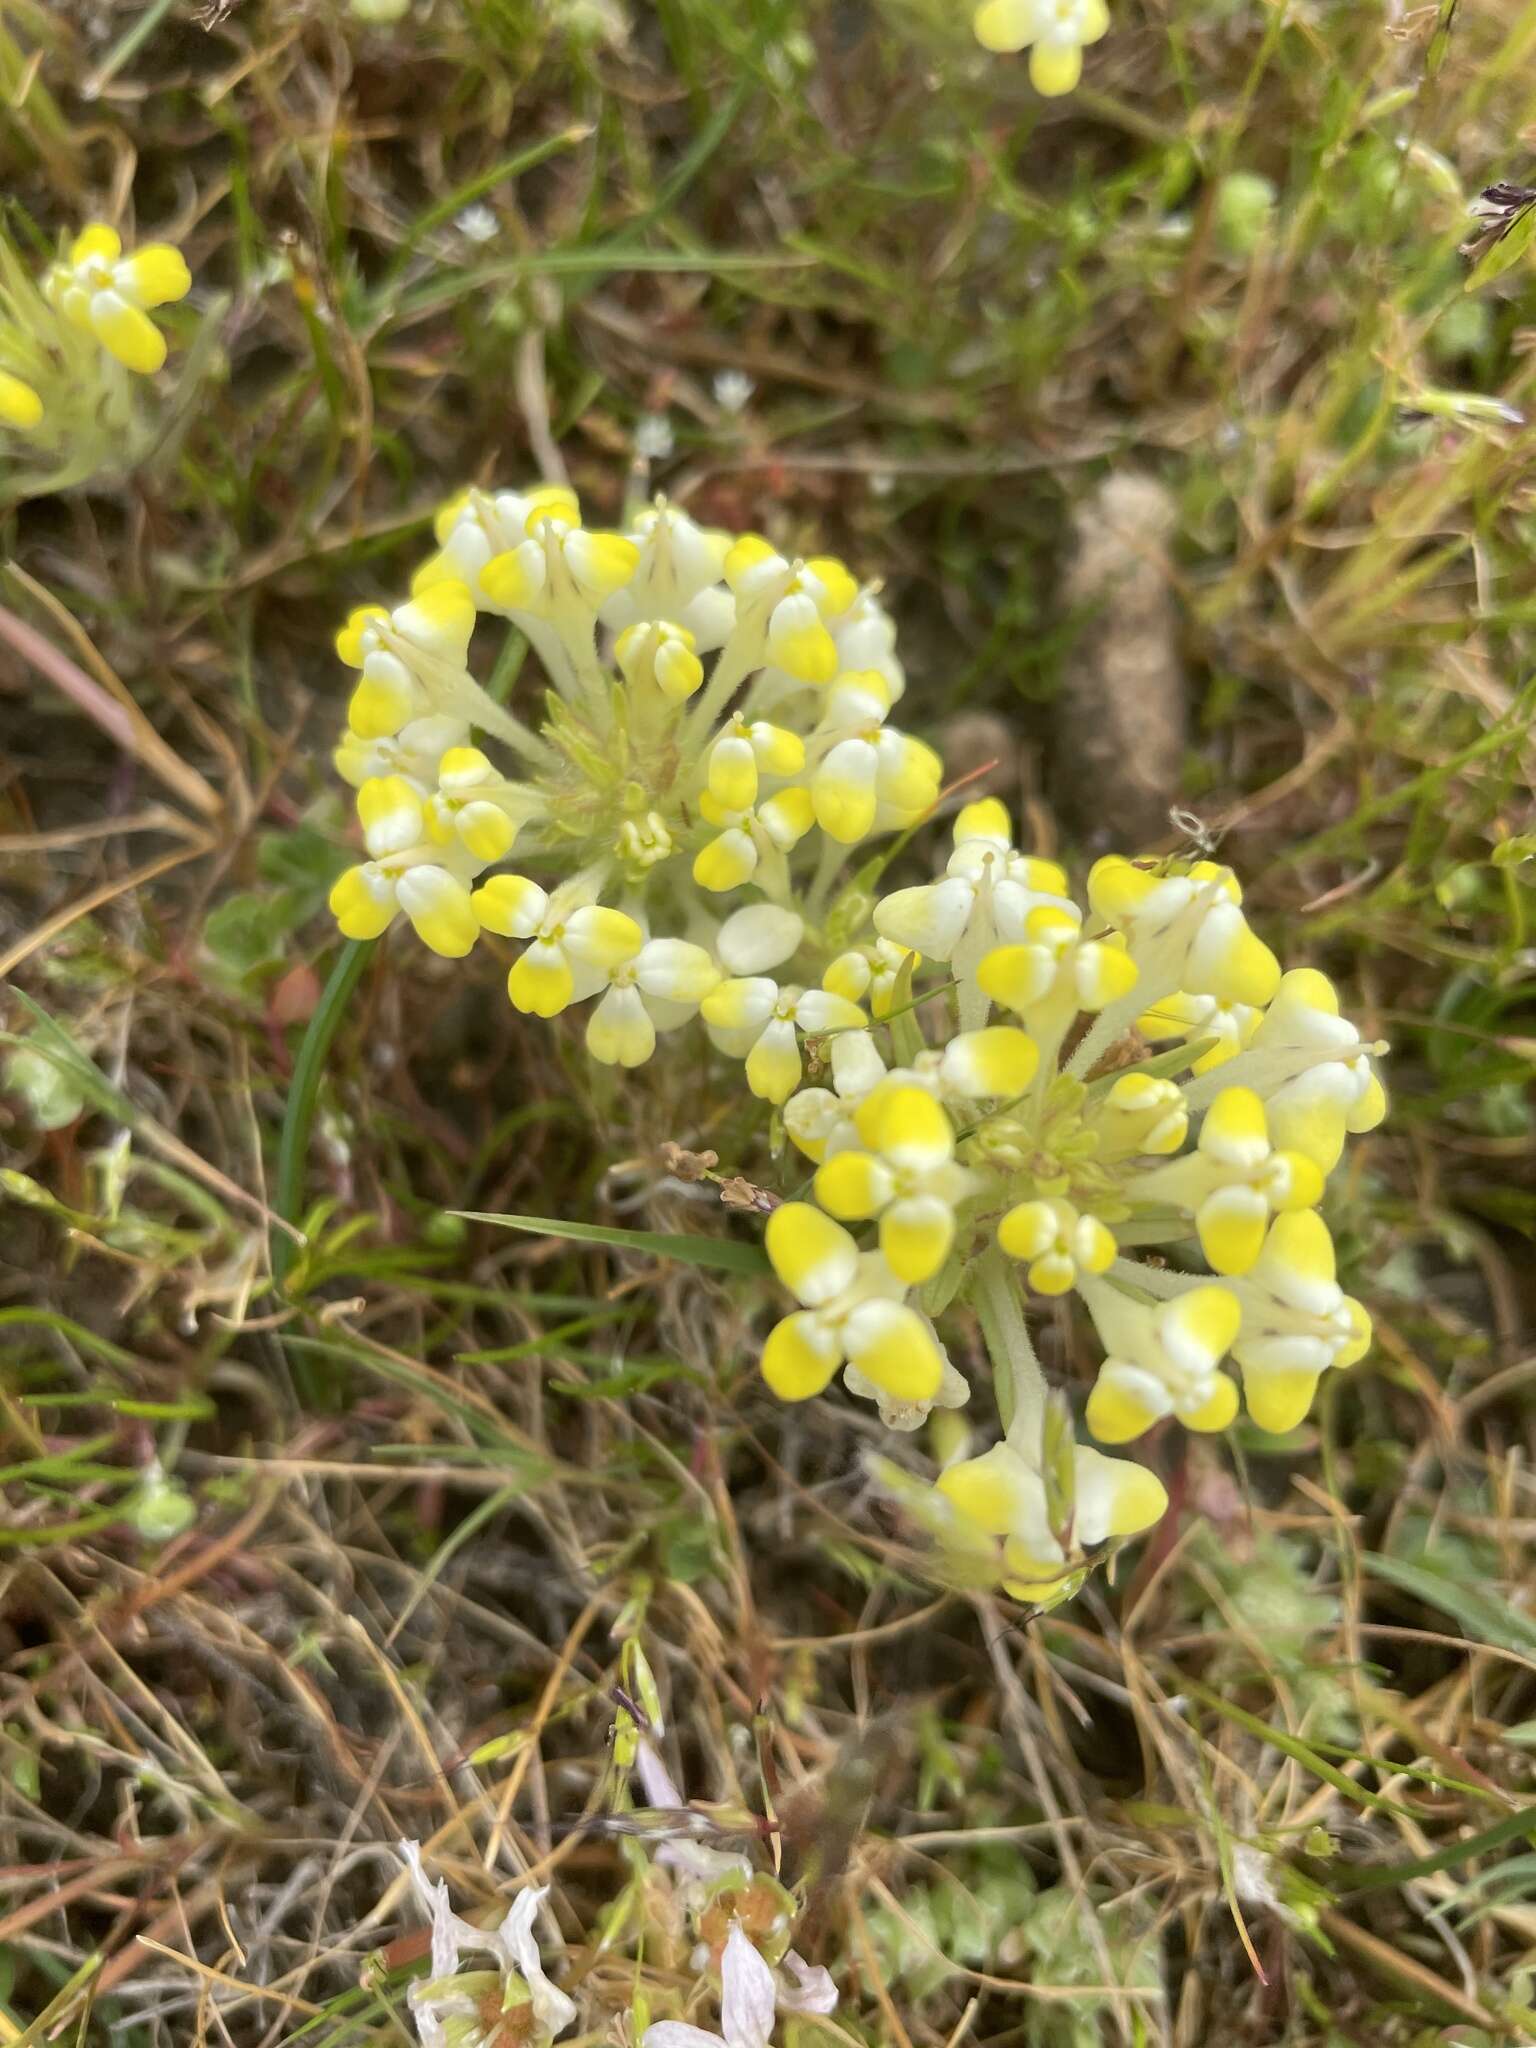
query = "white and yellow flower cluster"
x=974 y=1085
x=96 y=298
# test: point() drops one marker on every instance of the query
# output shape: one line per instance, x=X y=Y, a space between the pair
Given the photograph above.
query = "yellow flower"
x=99 y=289
x=412 y=659
x=785 y=608
x=1233 y=1182
x=764 y=832
x=1297 y=1321
x=1055 y=970
x=1162 y=1358
x=656 y=989
x=1314 y=1072
x=1054 y=32
x=904 y=1172
x=20 y=405
x=871 y=971
x=1057 y=1242
x=751 y=1017
x=1000 y=1498
x=1186 y=931
x=575 y=943
x=868 y=776
x=853 y=1312
x=1232 y=1025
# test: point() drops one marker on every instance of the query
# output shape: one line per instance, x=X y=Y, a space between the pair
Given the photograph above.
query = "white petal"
x=812 y=1990
x=930 y=919
x=551 y=2008
x=759 y=938
x=746 y=1993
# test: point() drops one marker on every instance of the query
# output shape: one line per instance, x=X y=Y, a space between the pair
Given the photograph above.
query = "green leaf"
x=1480 y=1615
x=721 y=1254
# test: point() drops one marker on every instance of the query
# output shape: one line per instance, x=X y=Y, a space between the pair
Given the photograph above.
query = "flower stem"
x=1019 y=1382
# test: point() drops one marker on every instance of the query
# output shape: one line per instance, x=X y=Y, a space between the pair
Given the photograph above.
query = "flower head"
x=100 y=290
x=513 y=2001
x=1162 y=1358
x=853 y=1312
x=907 y=1177
x=1053 y=31
x=1000 y=1506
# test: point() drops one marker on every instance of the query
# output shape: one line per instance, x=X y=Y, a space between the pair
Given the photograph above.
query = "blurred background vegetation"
x=283 y=1578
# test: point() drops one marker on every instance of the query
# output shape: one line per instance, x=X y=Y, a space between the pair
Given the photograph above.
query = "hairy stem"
x=1016 y=1370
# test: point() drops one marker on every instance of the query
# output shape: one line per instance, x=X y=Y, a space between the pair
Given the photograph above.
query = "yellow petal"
x=601 y=563
x=1199 y=1326
x=599 y=937
x=773 y=1066
x=1118 y=1410
x=726 y=862
x=814 y=1257
x=998 y=1061
x=541 y=983
x=439 y=908
x=906 y=1125
x=158 y=274
x=1016 y=976
x=892 y=1345
x=20 y=405
x=1052 y=1274
x=995 y=1491
x=1231 y=1223
x=1054 y=68
x=513 y=580
x=619 y=1031
x=1217 y=1411
x=1369 y=1110
x=349 y=641
x=439 y=621
x=1028 y=1230
x=853 y=1185
x=799 y=1357
x=126 y=333
x=97 y=243
x=1278 y=1401
x=1003 y=26
x=511 y=906
x=800 y=644
x=987 y=818
x=915 y=1237
x=1235 y=1132
x=361 y=912
x=787 y=817
x=486 y=831
x=838 y=588
x=390 y=812
x=733 y=773
x=1116 y=890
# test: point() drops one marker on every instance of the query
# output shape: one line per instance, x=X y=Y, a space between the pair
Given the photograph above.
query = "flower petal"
x=814 y=1257
x=892 y=1345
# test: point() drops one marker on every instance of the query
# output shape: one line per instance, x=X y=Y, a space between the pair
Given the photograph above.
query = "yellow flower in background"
x=1053 y=31
x=20 y=405
x=99 y=289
